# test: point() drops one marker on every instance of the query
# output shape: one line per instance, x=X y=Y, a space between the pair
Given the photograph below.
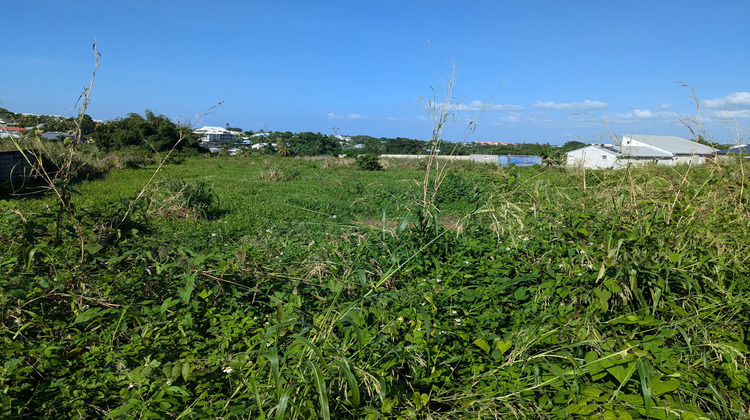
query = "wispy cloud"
x=732 y=102
x=481 y=106
x=725 y=114
x=521 y=118
x=418 y=118
x=643 y=115
x=332 y=116
x=586 y=105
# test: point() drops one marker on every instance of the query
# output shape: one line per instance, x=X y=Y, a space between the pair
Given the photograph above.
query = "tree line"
x=153 y=131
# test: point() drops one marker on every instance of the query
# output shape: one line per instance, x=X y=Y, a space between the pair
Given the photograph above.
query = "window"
x=604 y=157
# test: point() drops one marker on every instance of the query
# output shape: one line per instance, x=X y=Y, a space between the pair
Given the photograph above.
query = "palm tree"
x=282 y=148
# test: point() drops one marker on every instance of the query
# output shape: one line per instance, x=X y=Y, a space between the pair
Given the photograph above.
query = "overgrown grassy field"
x=275 y=287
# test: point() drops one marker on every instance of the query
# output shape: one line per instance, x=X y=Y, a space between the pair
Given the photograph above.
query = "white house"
x=215 y=134
x=640 y=149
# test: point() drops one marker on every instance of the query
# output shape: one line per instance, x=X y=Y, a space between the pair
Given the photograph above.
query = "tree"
x=404 y=146
x=314 y=144
x=153 y=131
x=282 y=148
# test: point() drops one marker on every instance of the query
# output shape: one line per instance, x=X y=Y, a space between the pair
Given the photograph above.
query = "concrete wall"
x=592 y=157
x=504 y=160
x=485 y=159
x=424 y=157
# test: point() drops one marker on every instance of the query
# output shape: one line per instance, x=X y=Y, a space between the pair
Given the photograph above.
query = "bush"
x=368 y=163
x=275 y=175
x=177 y=198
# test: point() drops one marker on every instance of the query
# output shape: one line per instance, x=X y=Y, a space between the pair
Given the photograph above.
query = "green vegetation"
x=369 y=163
x=49 y=122
x=523 y=293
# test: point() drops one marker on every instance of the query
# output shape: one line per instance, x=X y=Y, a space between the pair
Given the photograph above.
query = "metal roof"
x=736 y=150
x=673 y=144
x=640 y=152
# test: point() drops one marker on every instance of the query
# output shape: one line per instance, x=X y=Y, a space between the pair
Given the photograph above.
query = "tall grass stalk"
x=185 y=131
x=59 y=182
x=441 y=108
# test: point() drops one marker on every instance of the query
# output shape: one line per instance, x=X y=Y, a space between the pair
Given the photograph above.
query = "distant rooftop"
x=674 y=144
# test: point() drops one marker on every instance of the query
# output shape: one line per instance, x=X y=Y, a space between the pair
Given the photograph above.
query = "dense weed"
x=174 y=197
x=626 y=299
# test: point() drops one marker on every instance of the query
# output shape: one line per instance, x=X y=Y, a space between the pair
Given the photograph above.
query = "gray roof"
x=673 y=144
x=54 y=135
x=736 y=150
x=640 y=152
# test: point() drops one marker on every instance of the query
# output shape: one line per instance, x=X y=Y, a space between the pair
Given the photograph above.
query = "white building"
x=593 y=156
x=211 y=135
x=640 y=149
x=682 y=150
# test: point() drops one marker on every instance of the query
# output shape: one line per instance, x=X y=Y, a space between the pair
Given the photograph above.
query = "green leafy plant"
x=368 y=163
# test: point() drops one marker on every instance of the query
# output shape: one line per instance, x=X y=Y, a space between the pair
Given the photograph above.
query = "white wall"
x=591 y=157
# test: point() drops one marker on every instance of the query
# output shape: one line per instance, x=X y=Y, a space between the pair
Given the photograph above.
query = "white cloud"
x=643 y=114
x=408 y=119
x=739 y=114
x=519 y=117
x=357 y=117
x=586 y=105
x=733 y=101
x=665 y=106
x=513 y=117
x=481 y=106
x=332 y=116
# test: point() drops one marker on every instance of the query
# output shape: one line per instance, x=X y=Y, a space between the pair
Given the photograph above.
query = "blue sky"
x=540 y=71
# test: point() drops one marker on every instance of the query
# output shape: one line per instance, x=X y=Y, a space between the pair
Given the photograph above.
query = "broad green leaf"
x=503 y=346
x=659 y=387
x=482 y=344
x=617 y=414
x=187 y=370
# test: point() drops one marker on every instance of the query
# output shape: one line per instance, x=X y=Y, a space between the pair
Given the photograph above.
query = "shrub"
x=275 y=175
x=176 y=198
x=368 y=163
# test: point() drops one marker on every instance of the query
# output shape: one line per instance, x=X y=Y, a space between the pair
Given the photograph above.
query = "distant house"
x=54 y=135
x=11 y=131
x=494 y=143
x=640 y=149
x=742 y=149
x=210 y=135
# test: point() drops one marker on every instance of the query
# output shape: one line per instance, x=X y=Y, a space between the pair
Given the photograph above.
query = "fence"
x=14 y=166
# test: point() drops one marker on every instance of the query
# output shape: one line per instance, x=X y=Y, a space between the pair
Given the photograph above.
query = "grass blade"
x=320 y=385
x=351 y=380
